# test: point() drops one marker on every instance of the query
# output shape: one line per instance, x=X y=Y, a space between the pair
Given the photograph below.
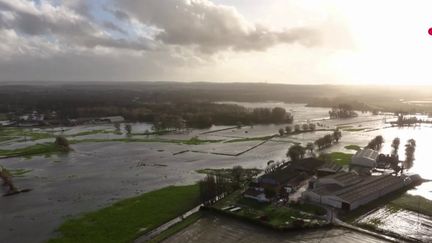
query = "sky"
x=276 y=41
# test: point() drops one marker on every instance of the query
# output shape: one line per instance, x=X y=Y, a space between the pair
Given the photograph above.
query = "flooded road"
x=214 y=229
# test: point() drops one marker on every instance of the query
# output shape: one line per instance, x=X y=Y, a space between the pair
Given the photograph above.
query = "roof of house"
x=330 y=166
x=252 y=192
x=366 y=153
x=343 y=178
x=366 y=186
x=291 y=170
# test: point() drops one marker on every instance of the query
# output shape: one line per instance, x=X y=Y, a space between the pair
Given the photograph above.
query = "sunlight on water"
x=423 y=162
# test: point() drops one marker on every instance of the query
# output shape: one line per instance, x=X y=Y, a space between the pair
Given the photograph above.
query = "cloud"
x=62 y=24
x=210 y=27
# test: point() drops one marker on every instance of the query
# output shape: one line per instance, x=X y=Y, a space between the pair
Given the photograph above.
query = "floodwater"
x=221 y=229
x=97 y=174
x=402 y=222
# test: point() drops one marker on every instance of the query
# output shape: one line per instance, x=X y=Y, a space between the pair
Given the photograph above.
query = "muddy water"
x=220 y=229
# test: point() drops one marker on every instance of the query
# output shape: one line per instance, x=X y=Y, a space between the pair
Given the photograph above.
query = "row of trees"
x=297 y=151
x=410 y=148
x=376 y=143
x=328 y=139
x=342 y=111
x=196 y=115
x=218 y=185
x=297 y=128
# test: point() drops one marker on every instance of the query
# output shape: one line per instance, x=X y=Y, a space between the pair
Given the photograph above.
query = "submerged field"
x=105 y=166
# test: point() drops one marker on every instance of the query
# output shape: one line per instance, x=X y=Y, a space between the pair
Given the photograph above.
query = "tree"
x=297 y=128
x=128 y=129
x=278 y=114
x=379 y=141
x=288 y=129
x=62 y=143
x=281 y=132
x=296 y=152
x=208 y=189
x=395 y=145
x=312 y=126
x=305 y=127
x=237 y=174
x=310 y=147
x=117 y=126
x=7 y=179
x=409 y=153
x=337 y=135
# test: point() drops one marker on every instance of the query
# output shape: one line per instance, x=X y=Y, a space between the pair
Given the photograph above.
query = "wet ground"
x=97 y=174
x=402 y=222
x=220 y=229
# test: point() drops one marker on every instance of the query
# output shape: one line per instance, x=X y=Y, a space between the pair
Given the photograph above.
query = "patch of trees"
x=297 y=129
x=342 y=111
x=296 y=152
x=218 y=185
x=62 y=143
x=6 y=177
x=376 y=143
x=328 y=140
x=410 y=148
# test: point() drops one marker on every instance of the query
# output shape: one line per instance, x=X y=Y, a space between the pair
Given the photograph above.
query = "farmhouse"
x=348 y=190
x=365 y=158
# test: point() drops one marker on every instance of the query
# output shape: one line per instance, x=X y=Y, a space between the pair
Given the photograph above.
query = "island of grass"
x=37 y=149
x=9 y=133
x=337 y=157
x=353 y=147
x=228 y=173
x=126 y=220
x=281 y=217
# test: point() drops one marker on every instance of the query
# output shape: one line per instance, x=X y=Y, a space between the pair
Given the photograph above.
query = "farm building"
x=291 y=173
x=348 y=191
x=365 y=158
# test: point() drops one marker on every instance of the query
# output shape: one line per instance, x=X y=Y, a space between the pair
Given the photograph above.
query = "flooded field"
x=220 y=229
x=402 y=222
x=96 y=174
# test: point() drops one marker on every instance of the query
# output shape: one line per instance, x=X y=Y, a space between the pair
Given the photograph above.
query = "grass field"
x=38 y=149
x=126 y=220
x=353 y=147
x=341 y=158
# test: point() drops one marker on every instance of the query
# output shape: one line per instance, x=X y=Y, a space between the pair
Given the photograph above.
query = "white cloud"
x=210 y=27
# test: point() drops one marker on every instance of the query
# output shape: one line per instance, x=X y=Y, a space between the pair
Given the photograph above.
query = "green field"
x=12 y=133
x=126 y=220
x=38 y=149
x=337 y=157
x=353 y=147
